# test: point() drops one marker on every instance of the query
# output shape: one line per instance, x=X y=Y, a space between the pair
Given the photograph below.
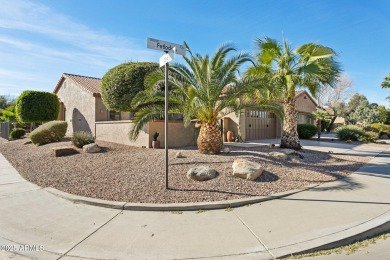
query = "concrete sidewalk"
x=331 y=212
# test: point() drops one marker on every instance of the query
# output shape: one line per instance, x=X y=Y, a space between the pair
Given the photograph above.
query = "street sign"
x=165 y=59
x=165 y=46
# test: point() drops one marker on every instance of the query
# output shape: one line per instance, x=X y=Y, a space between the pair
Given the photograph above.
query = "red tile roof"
x=89 y=84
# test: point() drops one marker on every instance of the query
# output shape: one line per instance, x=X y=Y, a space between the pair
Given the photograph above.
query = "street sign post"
x=168 y=48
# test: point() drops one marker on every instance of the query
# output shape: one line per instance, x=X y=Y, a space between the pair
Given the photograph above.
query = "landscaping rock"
x=91 y=148
x=278 y=155
x=288 y=151
x=226 y=150
x=384 y=136
x=27 y=142
x=179 y=155
x=271 y=146
x=246 y=169
x=63 y=151
x=201 y=173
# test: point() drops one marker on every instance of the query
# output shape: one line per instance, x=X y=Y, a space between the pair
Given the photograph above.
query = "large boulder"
x=278 y=155
x=91 y=148
x=288 y=151
x=246 y=169
x=201 y=173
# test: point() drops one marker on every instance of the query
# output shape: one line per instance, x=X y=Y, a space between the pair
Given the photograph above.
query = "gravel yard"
x=132 y=174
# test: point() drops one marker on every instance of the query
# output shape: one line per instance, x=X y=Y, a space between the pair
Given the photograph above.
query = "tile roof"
x=89 y=84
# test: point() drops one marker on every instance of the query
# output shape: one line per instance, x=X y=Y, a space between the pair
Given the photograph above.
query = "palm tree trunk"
x=209 y=139
x=290 y=137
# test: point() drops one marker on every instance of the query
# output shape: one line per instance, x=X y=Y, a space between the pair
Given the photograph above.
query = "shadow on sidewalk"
x=345 y=184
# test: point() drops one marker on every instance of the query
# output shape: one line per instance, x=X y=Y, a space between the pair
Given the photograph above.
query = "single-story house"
x=255 y=124
x=82 y=107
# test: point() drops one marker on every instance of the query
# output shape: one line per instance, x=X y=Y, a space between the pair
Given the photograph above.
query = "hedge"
x=121 y=83
x=349 y=132
x=37 y=106
x=306 y=131
x=49 y=132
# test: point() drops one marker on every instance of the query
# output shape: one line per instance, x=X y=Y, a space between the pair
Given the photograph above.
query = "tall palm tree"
x=310 y=66
x=206 y=89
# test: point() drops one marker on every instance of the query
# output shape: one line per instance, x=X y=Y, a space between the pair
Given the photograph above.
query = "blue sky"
x=40 y=40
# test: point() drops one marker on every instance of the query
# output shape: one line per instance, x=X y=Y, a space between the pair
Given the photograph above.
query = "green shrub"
x=324 y=124
x=306 y=131
x=17 y=133
x=49 y=132
x=369 y=136
x=79 y=139
x=37 y=106
x=121 y=83
x=349 y=132
x=380 y=128
x=348 y=141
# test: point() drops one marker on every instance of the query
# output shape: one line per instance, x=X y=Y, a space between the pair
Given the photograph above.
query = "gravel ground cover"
x=132 y=174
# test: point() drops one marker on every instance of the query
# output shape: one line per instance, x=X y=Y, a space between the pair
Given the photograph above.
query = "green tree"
x=320 y=115
x=310 y=66
x=384 y=115
x=37 y=107
x=386 y=84
x=364 y=115
x=121 y=83
x=205 y=88
x=6 y=101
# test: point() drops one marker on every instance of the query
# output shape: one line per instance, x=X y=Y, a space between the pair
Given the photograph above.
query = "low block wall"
x=117 y=132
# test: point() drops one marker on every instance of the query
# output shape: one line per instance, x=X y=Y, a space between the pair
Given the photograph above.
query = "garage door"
x=259 y=125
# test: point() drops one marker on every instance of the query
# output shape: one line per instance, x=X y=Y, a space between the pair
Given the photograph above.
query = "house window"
x=303 y=119
x=114 y=116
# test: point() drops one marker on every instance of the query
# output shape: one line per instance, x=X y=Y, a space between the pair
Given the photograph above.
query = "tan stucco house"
x=255 y=124
x=82 y=107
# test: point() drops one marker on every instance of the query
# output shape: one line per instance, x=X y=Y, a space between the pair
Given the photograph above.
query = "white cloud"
x=39 y=44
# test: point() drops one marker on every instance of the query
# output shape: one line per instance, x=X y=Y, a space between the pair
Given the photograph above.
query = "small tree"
x=37 y=107
x=386 y=84
x=121 y=83
x=364 y=115
x=320 y=116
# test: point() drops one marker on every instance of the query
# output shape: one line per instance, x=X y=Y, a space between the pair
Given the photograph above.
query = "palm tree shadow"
x=343 y=184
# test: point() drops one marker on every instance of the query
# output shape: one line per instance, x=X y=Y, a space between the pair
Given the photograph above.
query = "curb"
x=174 y=206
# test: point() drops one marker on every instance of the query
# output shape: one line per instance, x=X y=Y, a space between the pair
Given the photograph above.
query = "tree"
x=37 y=107
x=6 y=101
x=320 y=115
x=384 y=115
x=121 y=83
x=364 y=115
x=386 y=84
x=205 y=88
x=347 y=109
x=310 y=66
x=332 y=97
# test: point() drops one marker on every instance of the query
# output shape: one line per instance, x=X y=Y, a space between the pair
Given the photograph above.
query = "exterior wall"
x=118 y=132
x=78 y=109
x=305 y=105
x=101 y=112
x=230 y=123
x=178 y=134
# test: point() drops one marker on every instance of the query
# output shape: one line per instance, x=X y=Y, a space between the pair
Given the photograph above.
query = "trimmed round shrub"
x=349 y=132
x=121 y=83
x=17 y=133
x=37 y=106
x=49 y=132
x=79 y=139
x=306 y=131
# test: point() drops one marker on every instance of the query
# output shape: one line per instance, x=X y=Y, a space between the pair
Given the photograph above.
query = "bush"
x=37 y=106
x=121 y=83
x=79 y=139
x=49 y=132
x=17 y=133
x=324 y=124
x=306 y=131
x=369 y=136
x=380 y=128
x=349 y=132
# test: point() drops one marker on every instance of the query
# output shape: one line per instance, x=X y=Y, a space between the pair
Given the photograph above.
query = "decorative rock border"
x=174 y=206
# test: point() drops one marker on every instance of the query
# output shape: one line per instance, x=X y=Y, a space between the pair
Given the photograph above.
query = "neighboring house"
x=255 y=124
x=82 y=107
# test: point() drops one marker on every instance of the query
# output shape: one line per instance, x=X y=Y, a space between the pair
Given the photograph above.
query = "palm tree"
x=206 y=89
x=310 y=66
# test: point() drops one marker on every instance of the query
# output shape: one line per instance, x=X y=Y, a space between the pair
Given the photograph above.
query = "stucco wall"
x=79 y=107
x=100 y=110
x=178 y=134
x=118 y=132
x=305 y=105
